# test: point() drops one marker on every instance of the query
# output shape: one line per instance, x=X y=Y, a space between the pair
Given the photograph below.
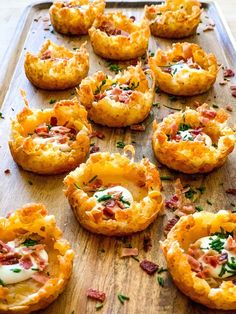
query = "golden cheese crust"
x=140 y=178
x=118 y=101
x=193 y=156
x=197 y=78
x=75 y=17
x=116 y=36
x=46 y=158
x=174 y=19
x=56 y=67
x=187 y=230
x=30 y=295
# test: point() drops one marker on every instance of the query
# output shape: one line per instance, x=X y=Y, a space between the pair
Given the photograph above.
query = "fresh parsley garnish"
x=122 y=298
x=184 y=127
x=120 y=144
x=1 y=116
x=99 y=306
x=114 y=68
x=30 y=242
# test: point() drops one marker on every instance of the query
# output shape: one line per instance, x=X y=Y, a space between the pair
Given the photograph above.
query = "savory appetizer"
x=200 y=251
x=193 y=141
x=50 y=141
x=174 y=18
x=113 y=195
x=118 y=101
x=56 y=67
x=75 y=17
x=35 y=262
x=184 y=70
x=119 y=37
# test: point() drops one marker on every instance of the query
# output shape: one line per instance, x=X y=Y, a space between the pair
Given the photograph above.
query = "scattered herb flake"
x=166 y=178
x=99 y=306
x=160 y=280
x=92 y=179
x=114 y=68
x=135 y=258
x=161 y=270
x=209 y=202
x=104 y=198
x=215 y=106
x=77 y=187
x=2 y=283
x=52 y=101
x=173 y=97
x=201 y=189
x=199 y=208
x=16 y=270
x=122 y=298
x=30 y=242
x=1 y=116
x=190 y=193
x=30 y=182
x=120 y=144
x=156 y=104
x=35 y=269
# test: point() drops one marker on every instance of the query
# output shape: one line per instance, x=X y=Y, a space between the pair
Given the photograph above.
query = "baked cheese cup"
x=113 y=195
x=200 y=251
x=116 y=36
x=174 y=19
x=184 y=70
x=118 y=101
x=56 y=67
x=51 y=141
x=75 y=17
x=193 y=141
x=36 y=262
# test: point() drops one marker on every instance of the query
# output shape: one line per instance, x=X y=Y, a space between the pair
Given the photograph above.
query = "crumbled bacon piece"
x=132 y=18
x=231 y=191
x=138 y=127
x=40 y=277
x=107 y=211
x=149 y=267
x=97 y=134
x=10 y=258
x=170 y=224
x=126 y=252
x=147 y=243
x=42 y=130
x=94 y=149
x=228 y=73
x=110 y=30
x=172 y=203
x=205 y=273
x=195 y=264
x=26 y=262
x=53 y=121
x=211 y=260
x=207 y=113
x=7 y=171
x=4 y=248
x=229 y=108
x=96 y=295
x=194 y=251
x=46 y=55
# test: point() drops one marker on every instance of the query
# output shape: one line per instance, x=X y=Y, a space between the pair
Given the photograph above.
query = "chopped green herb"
x=135 y=258
x=52 y=101
x=30 y=182
x=35 y=269
x=124 y=201
x=184 y=127
x=30 y=242
x=98 y=90
x=215 y=145
x=178 y=109
x=157 y=90
x=190 y=193
x=173 y=97
x=122 y=298
x=209 y=202
x=52 y=31
x=215 y=106
x=159 y=13
x=1 y=116
x=16 y=270
x=2 y=283
x=199 y=208
x=99 y=306
x=166 y=178
x=93 y=178
x=232 y=204
x=161 y=270
x=151 y=54
x=120 y=144
x=104 y=198
x=201 y=189
x=217 y=244
x=74 y=48
x=114 y=68
x=223 y=270
x=49 y=126
x=156 y=104
x=77 y=187
x=160 y=280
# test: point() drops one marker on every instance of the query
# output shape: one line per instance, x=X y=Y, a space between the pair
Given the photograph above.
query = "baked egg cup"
x=212 y=281
x=174 y=18
x=50 y=141
x=113 y=195
x=118 y=101
x=184 y=70
x=193 y=141
x=118 y=37
x=56 y=67
x=36 y=262
x=75 y=17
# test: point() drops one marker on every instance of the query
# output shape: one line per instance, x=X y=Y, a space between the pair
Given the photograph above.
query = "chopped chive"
x=190 y=193
x=99 y=306
x=93 y=178
x=156 y=104
x=201 y=189
x=104 y=198
x=98 y=90
x=199 y=208
x=167 y=178
x=172 y=98
x=52 y=101
x=232 y=204
x=209 y=202
x=184 y=127
x=215 y=106
x=161 y=270
x=151 y=54
x=135 y=258
x=77 y=187
x=160 y=280
x=16 y=270
x=122 y=298
x=120 y=144
x=169 y=107
x=2 y=283
x=30 y=242
x=157 y=90
x=36 y=269
x=30 y=182
x=1 y=116
x=114 y=68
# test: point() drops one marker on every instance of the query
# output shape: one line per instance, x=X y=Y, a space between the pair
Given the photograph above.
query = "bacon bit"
x=46 y=55
x=110 y=203
x=231 y=191
x=147 y=243
x=172 y=203
x=138 y=127
x=99 y=96
x=170 y=224
x=7 y=171
x=195 y=264
x=205 y=273
x=53 y=121
x=194 y=251
x=42 y=130
x=211 y=260
x=110 y=30
x=174 y=129
x=149 y=267
x=208 y=28
x=132 y=18
x=97 y=134
x=26 y=262
x=96 y=295
x=4 y=248
x=107 y=211
x=228 y=73
x=229 y=108
x=40 y=277
x=126 y=252
x=10 y=258
x=205 y=112
x=94 y=149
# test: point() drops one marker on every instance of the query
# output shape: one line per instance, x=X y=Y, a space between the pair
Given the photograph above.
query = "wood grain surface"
x=97 y=263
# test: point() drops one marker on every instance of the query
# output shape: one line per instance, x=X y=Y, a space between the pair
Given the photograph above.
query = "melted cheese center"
x=64 y=147
x=126 y=196
x=216 y=271
x=11 y=274
x=178 y=67
x=187 y=136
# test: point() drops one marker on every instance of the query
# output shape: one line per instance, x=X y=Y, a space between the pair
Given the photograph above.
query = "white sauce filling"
x=126 y=196
x=187 y=136
x=8 y=276
x=64 y=147
x=205 y=247
x=178 y=67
